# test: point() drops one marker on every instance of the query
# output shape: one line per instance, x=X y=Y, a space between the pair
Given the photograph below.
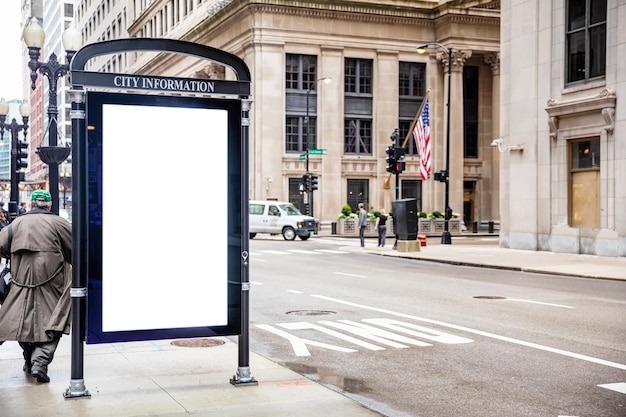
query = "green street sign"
x=317 y=151
x=302 y=156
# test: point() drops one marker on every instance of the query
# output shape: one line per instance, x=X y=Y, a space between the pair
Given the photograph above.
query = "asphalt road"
x=411 y=338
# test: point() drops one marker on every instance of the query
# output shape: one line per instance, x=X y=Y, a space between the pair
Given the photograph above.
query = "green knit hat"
x=41 y=195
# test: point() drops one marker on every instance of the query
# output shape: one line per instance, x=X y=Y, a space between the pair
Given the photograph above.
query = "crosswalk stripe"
x=330 y=251
x=275 y=252
x=297 y=251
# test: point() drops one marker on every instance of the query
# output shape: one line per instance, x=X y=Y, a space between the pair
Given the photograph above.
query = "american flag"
x=421 y=133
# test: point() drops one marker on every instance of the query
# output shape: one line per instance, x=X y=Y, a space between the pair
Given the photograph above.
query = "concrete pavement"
x=483 y=251
x=162 y=378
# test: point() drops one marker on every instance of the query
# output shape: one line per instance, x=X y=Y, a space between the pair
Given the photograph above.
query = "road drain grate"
x=490 y=297
x=197 y=342
x=311 y=312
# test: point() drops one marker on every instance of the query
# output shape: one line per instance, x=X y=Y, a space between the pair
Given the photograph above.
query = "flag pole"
x=418 y=114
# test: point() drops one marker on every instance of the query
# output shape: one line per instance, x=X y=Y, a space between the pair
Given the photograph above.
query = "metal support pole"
x=306 y=150
x=80 y=246
x=446 y=238
x=243 y=376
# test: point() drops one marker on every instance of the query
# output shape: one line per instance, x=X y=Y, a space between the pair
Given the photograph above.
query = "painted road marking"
x=539 y=302
x=618 y=386
x=481 y=333
x=275 y=252
x=351 y=275
x=299 y=344
x=302 y=251
x=386 y=335
x=331 y=251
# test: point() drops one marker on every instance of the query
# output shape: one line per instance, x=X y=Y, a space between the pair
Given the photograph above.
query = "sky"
x=11 y=62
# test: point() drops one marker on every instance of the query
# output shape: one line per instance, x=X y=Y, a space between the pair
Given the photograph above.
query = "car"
x=279 y=217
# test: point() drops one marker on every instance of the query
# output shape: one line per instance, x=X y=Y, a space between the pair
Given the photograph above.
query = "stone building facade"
x=368 y=50
x=563 y=81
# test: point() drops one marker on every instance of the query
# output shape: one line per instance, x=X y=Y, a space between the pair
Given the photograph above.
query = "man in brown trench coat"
x=37 y=310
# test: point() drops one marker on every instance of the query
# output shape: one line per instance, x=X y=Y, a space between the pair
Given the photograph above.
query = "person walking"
x=5 y=213
x=362 y=224
x=37 y=311
x=22 y=209
x=381 y=226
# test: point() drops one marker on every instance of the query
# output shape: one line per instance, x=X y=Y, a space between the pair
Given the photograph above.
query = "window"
x=470 y=111
x=358 y=137
x=586 y=39
x=301 y=101
x=584 y=203
x=301 y=71
x=68 y=10
x=411 y=79
x=412 y=189
x=358 y=192
x=403 y=129
x=298 y=139
x=358 y=76
x=411 y=88
x=358 y=106
x=296 y=196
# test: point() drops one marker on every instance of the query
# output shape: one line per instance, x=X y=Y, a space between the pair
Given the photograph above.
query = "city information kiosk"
x=160 y=223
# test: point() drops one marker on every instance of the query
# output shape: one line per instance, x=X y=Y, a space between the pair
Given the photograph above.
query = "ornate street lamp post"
x=52 y=154
x=446 y=238
x=309 y=204
x=16 y=147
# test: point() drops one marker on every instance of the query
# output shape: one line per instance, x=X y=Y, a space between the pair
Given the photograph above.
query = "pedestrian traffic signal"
x=391 y=159
x=441 y=176
x=314 y=178
x=399 y=155
x=304 y=185
x=21 y=155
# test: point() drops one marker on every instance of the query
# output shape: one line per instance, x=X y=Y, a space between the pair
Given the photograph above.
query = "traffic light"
x=21 y=155
x=304 y=185
x=400 y=163
x=391 y=159
x=314 y=178
x=441 y=176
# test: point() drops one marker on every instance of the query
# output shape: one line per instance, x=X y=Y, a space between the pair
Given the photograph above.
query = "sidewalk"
x=159 y=378
x=483 y=250
x=472 y=250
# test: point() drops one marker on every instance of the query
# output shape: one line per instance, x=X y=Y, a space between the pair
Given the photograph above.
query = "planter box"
x=436 y=227
x=350 y=228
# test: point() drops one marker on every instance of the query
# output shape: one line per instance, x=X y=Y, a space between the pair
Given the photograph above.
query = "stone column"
x=493 y=60
x=330 y=114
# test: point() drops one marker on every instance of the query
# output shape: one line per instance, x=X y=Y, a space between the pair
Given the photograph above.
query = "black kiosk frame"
x=123 y=260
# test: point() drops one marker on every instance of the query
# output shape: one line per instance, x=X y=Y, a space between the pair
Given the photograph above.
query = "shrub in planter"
x=346 y=211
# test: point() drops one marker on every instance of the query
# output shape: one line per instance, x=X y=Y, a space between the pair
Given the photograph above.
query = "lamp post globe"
x=34 y=37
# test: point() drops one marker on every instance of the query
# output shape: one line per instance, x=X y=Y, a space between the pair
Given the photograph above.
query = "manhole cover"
x=311 y=312
x=490 y=297
x=197 y=342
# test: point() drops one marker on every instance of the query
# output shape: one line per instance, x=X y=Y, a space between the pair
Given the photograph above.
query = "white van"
x=279 y=217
